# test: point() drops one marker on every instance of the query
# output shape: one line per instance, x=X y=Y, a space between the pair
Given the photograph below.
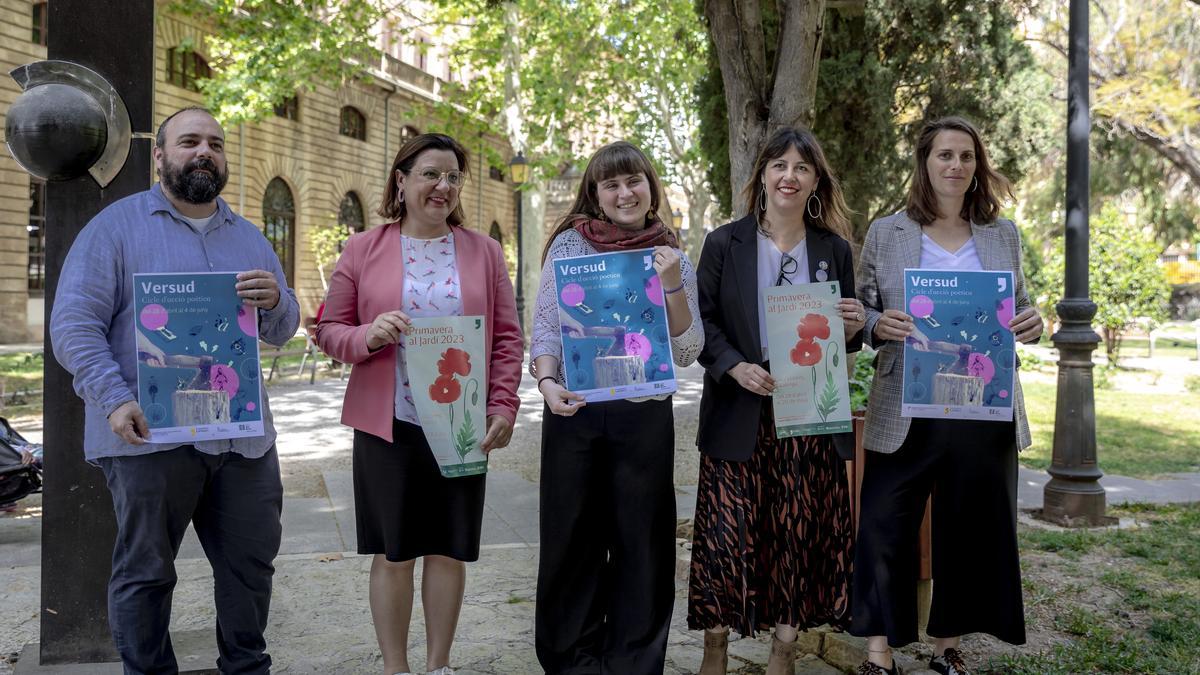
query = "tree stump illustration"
x=949 y=389
x=195 y=408
x=618 y=371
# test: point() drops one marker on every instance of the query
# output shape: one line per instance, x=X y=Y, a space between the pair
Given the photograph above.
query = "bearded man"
x=230 y=490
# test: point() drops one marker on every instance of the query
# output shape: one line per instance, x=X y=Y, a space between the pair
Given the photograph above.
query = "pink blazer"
x=369 y=280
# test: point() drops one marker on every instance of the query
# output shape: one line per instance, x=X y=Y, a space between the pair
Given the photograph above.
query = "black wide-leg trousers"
x=606 y=572
x=970 y=467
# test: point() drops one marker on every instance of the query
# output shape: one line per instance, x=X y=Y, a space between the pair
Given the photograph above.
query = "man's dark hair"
x=160 y=139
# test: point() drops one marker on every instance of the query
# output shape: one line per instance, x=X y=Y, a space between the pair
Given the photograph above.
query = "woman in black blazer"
x=773 y=534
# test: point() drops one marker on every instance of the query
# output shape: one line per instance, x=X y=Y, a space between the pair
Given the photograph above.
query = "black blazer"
x=727 y=280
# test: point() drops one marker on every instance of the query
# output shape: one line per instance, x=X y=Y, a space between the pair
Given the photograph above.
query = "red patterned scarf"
x=608 y=237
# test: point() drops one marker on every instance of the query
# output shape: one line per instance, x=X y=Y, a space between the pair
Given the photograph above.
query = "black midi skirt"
x=404 y=508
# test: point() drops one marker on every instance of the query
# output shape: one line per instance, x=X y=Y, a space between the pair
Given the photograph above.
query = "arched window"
x=495 y=233
x=353 y=123
x=279 y=225
x=185 y=68
x=407 y=133
x=350 y=213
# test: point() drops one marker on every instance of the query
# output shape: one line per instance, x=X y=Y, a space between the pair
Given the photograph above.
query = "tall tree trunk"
x=698 y=202
x=529 y=229
x=759 y=96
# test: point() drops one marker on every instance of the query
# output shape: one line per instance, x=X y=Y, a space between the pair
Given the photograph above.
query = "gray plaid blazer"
x=894 y=243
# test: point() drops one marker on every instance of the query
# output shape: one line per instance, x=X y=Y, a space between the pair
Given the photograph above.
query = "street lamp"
x=1074 y=496
x=677 y=218
x=518 y=172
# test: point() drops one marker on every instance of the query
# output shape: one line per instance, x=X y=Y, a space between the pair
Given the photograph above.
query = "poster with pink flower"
x=198 y=361
x=444 y=356
x=806 y=344
x=960 y=361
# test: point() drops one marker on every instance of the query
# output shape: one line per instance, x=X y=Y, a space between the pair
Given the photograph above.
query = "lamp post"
x=1074 y=495
x=677 y=218
x=518 y=172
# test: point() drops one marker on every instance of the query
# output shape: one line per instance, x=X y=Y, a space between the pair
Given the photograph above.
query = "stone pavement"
x=320 y=622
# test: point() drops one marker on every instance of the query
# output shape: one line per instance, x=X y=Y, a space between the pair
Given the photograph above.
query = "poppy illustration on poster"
x=807 y=344
x=446 y=373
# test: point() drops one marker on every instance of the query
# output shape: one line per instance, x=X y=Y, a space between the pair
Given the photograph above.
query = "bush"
x=1125 y=279
x=860 y=384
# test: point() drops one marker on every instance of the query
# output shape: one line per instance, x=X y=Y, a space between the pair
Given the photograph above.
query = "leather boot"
x=783 y=657
x=716 y=654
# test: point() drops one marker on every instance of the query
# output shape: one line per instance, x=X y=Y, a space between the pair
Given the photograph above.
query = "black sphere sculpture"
x=56 y=131
x=68 y=122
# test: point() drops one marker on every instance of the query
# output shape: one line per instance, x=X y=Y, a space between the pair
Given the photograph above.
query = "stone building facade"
x=321 y=160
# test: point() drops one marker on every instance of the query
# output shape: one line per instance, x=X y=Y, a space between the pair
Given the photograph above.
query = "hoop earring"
x=762 y=198
x=400 y=197
x=974 y=184
x=808 y=206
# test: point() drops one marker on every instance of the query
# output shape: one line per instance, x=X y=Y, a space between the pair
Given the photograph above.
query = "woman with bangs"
x=773 y=540
x=970 y=466
x=607 y=558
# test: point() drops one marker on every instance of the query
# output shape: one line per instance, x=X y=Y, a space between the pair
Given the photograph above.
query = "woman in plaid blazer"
x=970 y=466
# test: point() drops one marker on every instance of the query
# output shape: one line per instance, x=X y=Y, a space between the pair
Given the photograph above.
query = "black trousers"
x=971 y=469
x=606 y=573
x=234 y=503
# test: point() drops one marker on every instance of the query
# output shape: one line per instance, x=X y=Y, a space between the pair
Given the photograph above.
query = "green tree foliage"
x=264 y=51
x=663 y=50
x=1125 y=279
x=325 y=240
x=892 y=65
x=1145 y=71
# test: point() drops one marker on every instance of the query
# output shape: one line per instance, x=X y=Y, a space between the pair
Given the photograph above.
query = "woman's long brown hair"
x=834 y=215
x=980 y=205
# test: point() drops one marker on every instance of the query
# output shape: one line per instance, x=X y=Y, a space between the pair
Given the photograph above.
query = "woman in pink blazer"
x=422 y=264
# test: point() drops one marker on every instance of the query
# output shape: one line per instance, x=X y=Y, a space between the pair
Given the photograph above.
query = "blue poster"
x=613 y=316
x=198 y=365
x=960 y=360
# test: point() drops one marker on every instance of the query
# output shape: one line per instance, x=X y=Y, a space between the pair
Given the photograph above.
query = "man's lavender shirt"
x=92 y=325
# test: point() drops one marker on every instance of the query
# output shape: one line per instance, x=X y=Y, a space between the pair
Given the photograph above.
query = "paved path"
x=320 y=622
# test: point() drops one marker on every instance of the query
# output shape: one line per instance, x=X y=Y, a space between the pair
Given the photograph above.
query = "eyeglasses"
x=787 y=265
x=454 y=179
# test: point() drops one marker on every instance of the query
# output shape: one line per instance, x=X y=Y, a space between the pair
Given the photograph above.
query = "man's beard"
x=191 y=185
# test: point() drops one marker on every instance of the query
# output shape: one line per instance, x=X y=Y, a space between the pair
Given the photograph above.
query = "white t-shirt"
x=934 y=257
x=770 y=260
x=200 y=225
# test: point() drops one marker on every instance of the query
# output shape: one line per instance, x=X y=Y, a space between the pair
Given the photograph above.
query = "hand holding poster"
x=446 y=371
x=807 y=344
x=960 y=360
x=613 y=315
x=197 y=352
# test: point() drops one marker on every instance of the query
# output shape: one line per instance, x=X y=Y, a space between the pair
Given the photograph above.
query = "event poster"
x=806 y=341
x=613 y=317
x=448 y=377
x=960 y=360
x=197 y=351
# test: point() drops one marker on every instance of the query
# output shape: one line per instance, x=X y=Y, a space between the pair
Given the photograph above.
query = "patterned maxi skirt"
x=773 y=538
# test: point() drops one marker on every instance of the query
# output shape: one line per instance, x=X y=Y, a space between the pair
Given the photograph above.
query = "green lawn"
x=1125 y=601
x=21 y=378
x=1140 y=346
x=1139 y=435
